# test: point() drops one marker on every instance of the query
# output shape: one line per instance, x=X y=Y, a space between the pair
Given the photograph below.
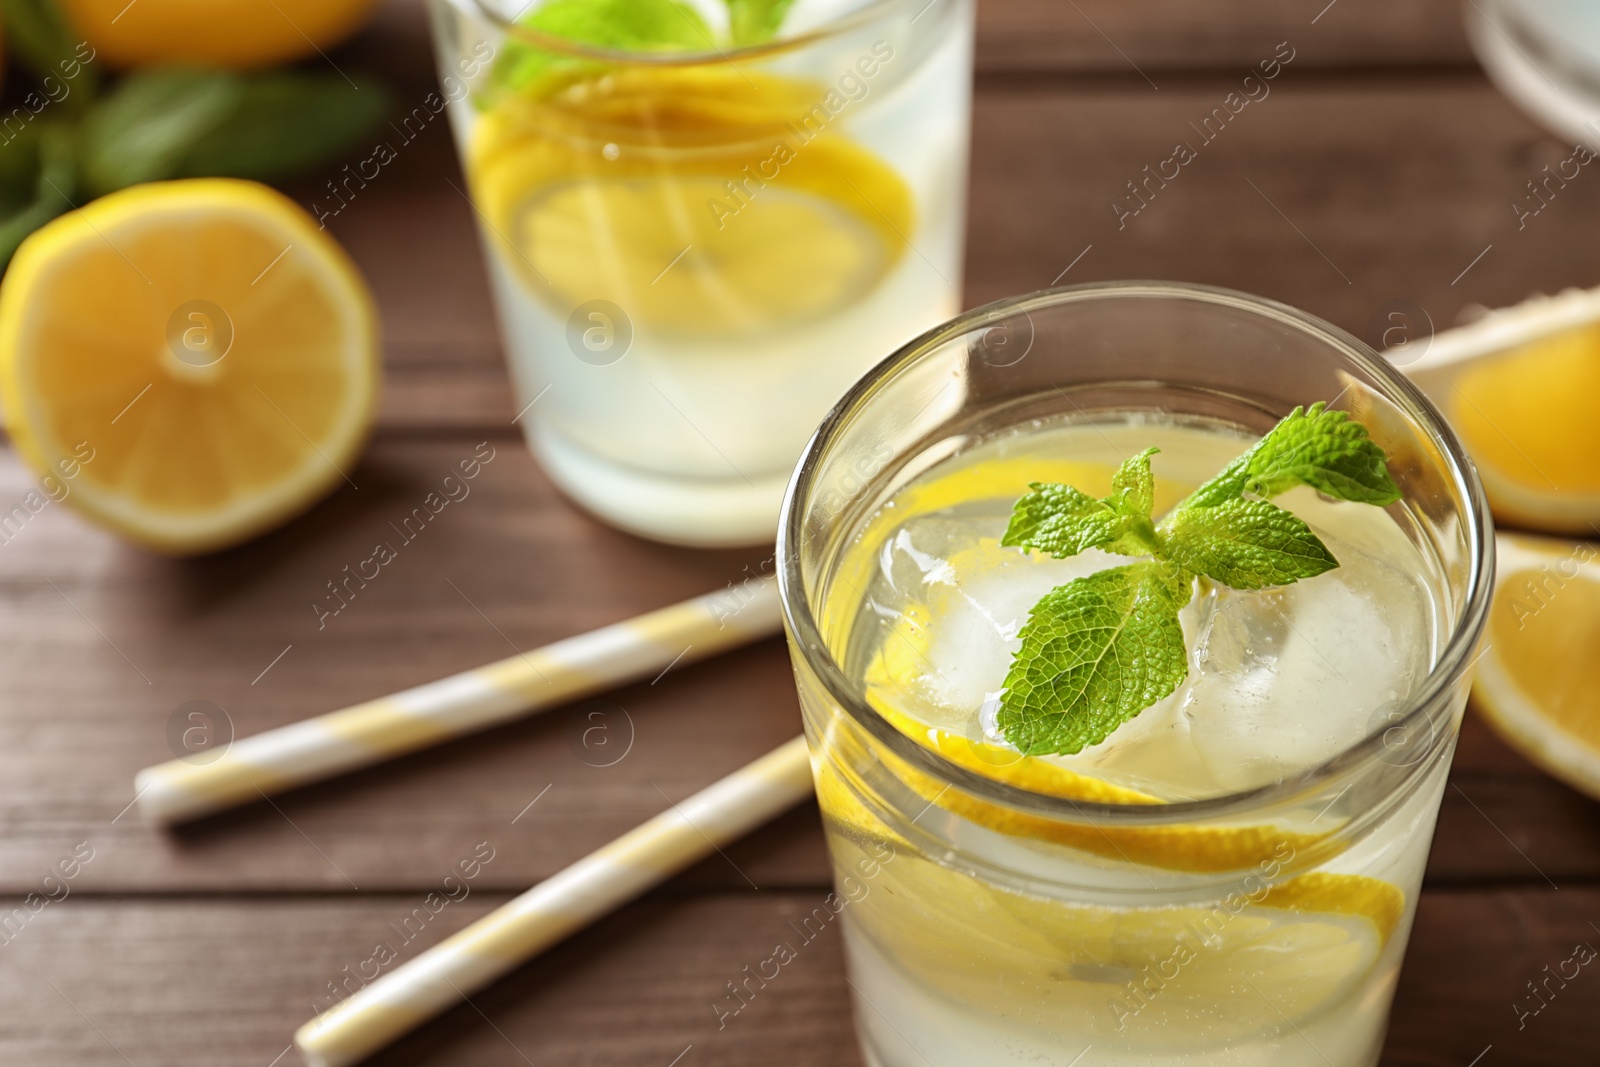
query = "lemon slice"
x=1537 y=681
x=700 y=203
x=1263 y=953
x=1525 y=416
x=196 y=361
x=1177 y=847
x=650 y=245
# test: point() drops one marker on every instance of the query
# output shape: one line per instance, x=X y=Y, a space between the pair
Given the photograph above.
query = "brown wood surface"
x=1377 y=169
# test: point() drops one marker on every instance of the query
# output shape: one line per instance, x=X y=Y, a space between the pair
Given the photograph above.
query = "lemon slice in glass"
x=1243 y=965
x=701 y=203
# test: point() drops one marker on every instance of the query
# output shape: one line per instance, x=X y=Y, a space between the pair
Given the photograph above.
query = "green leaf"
x=39 y=34
x=1095 y=652
x=1063 y=521
x=288 y=122
x=1246 y=544
x=1133 y=486
x=54 y=188
x=754 y=21
x=1326 y=450
x=141 y=131
x=180 y=122
x=631 y=25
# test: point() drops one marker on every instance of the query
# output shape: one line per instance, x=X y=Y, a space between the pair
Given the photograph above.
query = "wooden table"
x=1381 y=166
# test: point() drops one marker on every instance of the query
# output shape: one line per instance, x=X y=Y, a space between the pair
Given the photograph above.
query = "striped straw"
x=507 y=937
x=391 y=726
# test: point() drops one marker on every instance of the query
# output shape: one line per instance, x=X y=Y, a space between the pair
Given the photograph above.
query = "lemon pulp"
x=1525 y=417
x=1537 y=681
x=222 y=375
x=702 y=202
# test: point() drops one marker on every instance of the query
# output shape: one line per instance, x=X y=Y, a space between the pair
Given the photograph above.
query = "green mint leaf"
x=754 y=21
x=1246 y=544
x=54 y=160
x=1095 y=652
x=1324 y=449
x=182 y=122
x=287 y=122
x=1133 y=486
x=141 y=131
x=1063 y=521
x=625 y=25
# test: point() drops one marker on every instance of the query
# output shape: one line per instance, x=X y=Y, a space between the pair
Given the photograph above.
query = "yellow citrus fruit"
x=1537 y=680
x=191 y=362
x=1526 y=418
x=696 y=200
x=1305 y=942
x=214 y=33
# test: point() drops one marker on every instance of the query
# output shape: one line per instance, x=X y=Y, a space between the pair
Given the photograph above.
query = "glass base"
x=697 y=512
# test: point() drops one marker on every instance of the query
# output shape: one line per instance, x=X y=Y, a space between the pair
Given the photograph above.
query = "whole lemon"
x=214 y=33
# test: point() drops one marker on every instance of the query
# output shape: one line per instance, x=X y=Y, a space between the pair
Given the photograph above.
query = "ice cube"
x=1283 y=679
x=977 y=596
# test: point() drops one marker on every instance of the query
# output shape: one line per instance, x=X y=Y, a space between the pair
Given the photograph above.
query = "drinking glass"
x=989 y=922
x=693 y=254
x=1544 y=55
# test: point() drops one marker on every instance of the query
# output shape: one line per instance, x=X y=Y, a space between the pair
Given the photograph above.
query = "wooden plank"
x=224 y=982
x=1147 y=38
x=1337 y=197
x=103 y=643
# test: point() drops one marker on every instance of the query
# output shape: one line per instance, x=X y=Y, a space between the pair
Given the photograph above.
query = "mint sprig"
x=1099 y=650
x=628 y=25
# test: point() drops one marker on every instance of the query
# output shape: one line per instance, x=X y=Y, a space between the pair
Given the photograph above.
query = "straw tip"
x=160 y=802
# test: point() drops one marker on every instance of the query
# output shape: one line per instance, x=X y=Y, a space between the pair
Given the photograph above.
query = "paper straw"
x=509 y=936
x=391 y=726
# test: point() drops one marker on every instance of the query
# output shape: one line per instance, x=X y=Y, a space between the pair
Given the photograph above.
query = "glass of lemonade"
x=1229 y=877
x=695 y=249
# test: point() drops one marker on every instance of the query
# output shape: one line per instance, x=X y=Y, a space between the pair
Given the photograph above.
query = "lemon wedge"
x=1525 y=416
x=700 y=202
x=196 y=359
x=1537 y=681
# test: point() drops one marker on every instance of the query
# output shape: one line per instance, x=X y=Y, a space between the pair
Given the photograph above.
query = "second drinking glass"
x=697 y=246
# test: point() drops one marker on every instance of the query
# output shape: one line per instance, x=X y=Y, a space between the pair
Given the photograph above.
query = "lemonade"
x=1279 y=682
x=693 y=258
x=1227 y=877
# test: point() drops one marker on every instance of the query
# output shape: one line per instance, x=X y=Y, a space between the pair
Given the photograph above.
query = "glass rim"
x=1437 y=688
x=550 y=42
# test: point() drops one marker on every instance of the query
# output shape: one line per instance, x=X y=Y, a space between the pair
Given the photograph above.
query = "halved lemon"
x=1537 y=681
x=194 y=361
x=1526 y=417
x=702 y=203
